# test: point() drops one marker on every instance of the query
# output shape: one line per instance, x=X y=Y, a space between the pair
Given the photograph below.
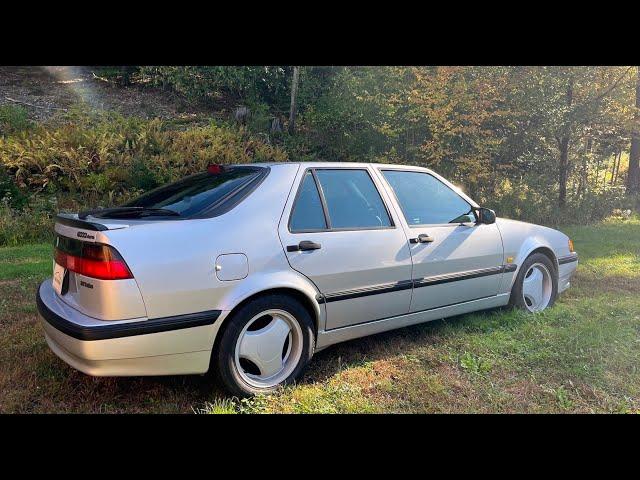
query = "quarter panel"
x=174 y=262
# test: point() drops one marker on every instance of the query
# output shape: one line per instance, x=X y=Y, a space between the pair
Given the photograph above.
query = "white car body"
x=190 y=275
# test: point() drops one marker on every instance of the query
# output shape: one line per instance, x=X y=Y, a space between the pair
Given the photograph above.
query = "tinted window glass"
x=352 y=199
x=426 y=200
x=197 y=192
x=307 y=212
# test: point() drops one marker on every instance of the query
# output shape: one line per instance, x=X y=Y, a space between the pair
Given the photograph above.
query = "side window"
x=307 y=212
x=352 y=199
x=426 y=200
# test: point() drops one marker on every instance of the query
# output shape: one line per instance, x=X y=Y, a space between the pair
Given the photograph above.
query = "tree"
x=633 y=178
x=292 y=110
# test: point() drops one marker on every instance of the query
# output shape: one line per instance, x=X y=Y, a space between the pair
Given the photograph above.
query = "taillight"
x=93 y=260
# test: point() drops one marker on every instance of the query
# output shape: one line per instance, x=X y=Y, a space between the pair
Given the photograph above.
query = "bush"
x=103 y=158
x=10 y=194
x=531 y=203
x=86 y=160
x=221 y=84
x=27 y=225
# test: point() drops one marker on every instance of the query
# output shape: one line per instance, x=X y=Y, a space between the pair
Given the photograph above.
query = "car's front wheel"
x=267 y=343
x=536 y=285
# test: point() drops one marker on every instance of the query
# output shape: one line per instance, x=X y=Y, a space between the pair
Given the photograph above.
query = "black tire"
x=516 y=300
x=225 y=355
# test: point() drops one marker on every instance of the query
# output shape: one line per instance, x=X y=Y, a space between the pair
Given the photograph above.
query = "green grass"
x=26 y=261
x=581 y=356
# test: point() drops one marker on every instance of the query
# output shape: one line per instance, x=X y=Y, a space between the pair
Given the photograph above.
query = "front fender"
x=520 y=239
x=529 y=245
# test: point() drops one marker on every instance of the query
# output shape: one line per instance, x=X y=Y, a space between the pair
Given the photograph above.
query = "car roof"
x=378 y=165
x=340 y=165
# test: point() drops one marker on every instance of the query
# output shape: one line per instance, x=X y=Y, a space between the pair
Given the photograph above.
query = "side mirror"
x=486 y=216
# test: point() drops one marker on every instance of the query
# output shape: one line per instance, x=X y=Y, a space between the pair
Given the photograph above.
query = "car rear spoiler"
x=66 y=219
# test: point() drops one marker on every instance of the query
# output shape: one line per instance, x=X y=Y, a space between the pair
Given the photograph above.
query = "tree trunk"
x=294 y=93
x=564 y=171
x=613 y=169
x=563 y=146
x=616 y=165
x=582 y=185
x=633 y=179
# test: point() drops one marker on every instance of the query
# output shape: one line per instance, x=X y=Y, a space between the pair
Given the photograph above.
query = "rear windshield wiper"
x=127 y=212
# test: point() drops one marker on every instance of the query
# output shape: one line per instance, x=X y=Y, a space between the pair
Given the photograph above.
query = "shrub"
x=33 y=223
x=10 y=194
x=106 y=157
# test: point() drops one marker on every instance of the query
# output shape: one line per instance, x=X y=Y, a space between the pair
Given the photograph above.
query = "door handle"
x=304 y=246
x=422 y=238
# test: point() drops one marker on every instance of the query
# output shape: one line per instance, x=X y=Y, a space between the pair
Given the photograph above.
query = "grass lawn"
x=581 y=356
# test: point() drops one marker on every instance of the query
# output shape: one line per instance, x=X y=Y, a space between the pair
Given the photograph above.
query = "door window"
x=352 y=199
x=425 y=200
x=308 y=214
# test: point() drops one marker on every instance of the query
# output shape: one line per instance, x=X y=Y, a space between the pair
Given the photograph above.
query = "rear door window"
x=352 y=199
x=308 y=214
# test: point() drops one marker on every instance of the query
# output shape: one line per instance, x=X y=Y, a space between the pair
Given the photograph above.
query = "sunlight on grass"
x=25 y=261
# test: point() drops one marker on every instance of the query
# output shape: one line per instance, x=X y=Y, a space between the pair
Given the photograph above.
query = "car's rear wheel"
x=536 y=285
x=267 y=343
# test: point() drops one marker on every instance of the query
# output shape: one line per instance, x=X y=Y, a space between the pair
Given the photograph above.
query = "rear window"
x=203 y=194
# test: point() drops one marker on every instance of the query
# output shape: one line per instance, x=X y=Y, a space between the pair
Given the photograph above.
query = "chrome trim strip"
x=454 y=277
x=366 y=291
x=573 y=257
x=407 y=284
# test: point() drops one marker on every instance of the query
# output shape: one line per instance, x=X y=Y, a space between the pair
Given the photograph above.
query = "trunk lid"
x=98 y=298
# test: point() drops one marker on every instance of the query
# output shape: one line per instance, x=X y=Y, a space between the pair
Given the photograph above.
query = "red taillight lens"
x=96 y=261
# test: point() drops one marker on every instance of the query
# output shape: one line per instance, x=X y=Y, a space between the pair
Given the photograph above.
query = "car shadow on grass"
x=388 y=346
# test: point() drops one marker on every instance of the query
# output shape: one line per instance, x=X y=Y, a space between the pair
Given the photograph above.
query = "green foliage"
x=121 y=75
x=10 y=194
x=215 y=85
x=479 y=126
x=497 y=132
x=28 y=224
x=108 y=157
x=474 y=364
x=13 y=119
x=86 y=159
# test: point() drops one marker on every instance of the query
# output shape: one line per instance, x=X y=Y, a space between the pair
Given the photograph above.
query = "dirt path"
x=45 y=91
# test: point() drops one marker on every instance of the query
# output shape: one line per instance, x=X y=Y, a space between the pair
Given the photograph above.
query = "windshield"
x=198 y=192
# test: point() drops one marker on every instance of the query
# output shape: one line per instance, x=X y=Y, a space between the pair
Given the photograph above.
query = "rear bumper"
x=567 y=266
x=163 y=346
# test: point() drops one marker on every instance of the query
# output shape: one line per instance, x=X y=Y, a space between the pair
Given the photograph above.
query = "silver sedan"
x=250 y=269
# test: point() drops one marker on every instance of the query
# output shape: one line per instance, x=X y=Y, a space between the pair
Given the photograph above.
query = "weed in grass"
x=474 y=364
x=562 y=397
x=218 y=407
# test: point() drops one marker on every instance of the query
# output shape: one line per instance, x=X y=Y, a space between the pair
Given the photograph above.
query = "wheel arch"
x=302 y=295
x=545 y=250
x=529 y=247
